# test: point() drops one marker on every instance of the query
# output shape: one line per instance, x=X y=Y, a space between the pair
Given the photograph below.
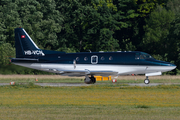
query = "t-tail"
x=25 y=46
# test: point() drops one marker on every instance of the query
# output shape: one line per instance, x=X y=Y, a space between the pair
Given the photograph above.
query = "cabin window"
x=85 y=59
x=110 y=58
x=102 y=58
x=77 y=59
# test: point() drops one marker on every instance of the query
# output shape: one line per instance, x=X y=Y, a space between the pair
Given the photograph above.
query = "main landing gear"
x=146 y=81
x=90 y=80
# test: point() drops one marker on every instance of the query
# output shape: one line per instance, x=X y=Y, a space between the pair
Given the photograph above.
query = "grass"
x=88 y=112
x=99 y=101
x=27 y=101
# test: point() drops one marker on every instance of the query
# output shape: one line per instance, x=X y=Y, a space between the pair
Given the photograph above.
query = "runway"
x=83 y=84
x=62 y=84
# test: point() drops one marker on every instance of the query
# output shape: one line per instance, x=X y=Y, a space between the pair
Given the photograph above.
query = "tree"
x=173 y=39
x=145 y=7
x=41 y=20
x=157 y=30
x=9 y=19
x=7 y=51
x=127 y=18
x=86 y=27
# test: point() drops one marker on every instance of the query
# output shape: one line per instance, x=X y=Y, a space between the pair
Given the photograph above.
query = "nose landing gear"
x=146 y=81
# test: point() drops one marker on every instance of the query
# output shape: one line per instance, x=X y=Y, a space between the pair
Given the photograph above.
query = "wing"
x=83 y=72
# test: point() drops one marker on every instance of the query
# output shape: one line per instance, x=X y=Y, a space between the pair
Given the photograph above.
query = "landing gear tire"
x=90 y=80
x=146 y=81
x=93 y=79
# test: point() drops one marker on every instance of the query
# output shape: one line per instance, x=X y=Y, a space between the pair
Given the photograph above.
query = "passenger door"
x=94 y=59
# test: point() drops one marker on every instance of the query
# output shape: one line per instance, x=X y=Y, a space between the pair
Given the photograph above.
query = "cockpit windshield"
x=143 y=56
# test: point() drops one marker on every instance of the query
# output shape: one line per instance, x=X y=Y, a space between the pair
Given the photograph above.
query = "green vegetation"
x=151 y=26
x=90 y=102
x=97 y=112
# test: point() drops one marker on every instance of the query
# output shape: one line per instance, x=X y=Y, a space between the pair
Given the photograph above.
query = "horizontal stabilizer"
x=24 y=59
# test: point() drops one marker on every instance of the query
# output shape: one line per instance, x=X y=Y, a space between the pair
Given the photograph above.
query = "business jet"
x=86 y=64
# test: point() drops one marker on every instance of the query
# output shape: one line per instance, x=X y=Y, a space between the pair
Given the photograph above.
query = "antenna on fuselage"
x=89 y=50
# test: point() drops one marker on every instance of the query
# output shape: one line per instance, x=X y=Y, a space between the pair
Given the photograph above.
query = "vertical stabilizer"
x=25 y=46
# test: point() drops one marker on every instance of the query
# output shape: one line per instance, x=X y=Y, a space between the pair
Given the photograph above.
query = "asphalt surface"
x=83 y=84
x=62 y=84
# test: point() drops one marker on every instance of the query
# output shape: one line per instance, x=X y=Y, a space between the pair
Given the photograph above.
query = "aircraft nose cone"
x=168 y=66
x=172 y=66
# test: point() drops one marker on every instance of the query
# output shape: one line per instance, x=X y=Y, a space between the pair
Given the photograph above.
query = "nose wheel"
x=146 y=81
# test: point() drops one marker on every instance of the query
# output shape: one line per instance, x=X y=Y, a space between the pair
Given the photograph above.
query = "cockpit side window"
x=143 y=56
x=147 y=56
x=137 y=57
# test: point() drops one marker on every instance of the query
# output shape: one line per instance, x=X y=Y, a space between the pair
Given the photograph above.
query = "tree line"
x=150 y=26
